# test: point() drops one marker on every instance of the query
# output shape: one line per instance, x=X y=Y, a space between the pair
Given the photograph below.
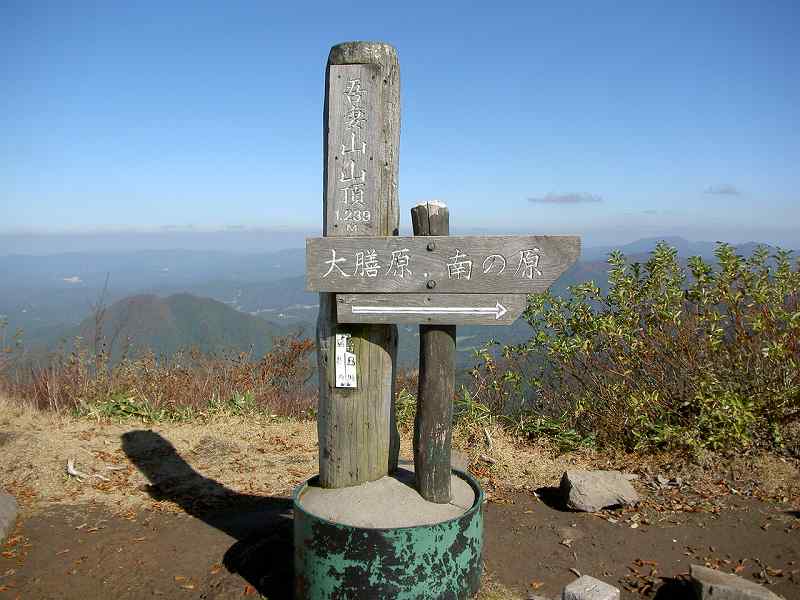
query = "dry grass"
x=493 y=590
x=504 y=462
x=515 y=462
x=266 y=456
x=253 y=455
x=250 y=456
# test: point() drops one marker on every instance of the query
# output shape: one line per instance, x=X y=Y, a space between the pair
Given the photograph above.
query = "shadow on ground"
x=675 y=589
x=264 y=552
x=552 y=497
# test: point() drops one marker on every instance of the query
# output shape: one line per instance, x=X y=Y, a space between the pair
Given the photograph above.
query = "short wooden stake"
x=437 y=348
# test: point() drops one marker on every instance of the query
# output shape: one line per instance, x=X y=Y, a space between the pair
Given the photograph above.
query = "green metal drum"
x=333 y=561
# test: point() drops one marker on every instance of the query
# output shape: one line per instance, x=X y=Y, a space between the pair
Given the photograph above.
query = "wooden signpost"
x=358 y=436
x=370 y=279
x=433 y=430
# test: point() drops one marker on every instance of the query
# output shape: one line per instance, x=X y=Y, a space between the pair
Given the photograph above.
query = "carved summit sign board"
x=355 y=156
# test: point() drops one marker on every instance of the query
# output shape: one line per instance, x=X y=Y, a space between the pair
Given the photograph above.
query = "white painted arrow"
x=498 y=310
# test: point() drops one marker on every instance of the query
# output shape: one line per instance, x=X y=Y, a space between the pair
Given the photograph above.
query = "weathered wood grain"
x=431 y=309
x=433 y=424
x=358 y=435
x=354 y=151
x=455 y=264
x=385 y=57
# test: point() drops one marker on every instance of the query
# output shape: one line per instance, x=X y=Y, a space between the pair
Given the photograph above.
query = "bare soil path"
x=73 y=552
x=530 y=545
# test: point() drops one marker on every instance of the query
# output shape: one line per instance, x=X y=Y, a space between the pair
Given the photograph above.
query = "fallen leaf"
x=650 y=563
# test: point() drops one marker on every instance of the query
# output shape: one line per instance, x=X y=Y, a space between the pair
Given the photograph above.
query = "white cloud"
x=569 y=198
x=723 y=189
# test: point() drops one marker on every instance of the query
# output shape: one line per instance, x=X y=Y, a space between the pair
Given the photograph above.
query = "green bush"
x=695 y=356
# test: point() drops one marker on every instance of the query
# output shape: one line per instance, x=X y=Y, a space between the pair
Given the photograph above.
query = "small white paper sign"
x=345 y=363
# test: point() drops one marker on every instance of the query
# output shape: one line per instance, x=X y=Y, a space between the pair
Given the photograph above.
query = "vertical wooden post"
x=437 y=348
x=358 y=438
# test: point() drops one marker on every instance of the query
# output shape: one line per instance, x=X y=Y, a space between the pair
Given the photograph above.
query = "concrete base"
x=403 y=547
x=386 y=503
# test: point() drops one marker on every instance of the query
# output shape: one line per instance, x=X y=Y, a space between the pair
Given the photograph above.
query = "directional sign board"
x=438 y=264
x=433 y=309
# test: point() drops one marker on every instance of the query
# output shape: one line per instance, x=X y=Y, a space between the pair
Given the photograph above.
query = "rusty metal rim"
x=476 y=505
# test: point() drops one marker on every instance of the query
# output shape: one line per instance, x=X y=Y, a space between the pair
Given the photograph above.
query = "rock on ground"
x=8 y=514
x=590 y=491
x=589 y=588
x=710 y=584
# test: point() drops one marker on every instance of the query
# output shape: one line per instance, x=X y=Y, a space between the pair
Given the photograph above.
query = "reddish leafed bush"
x=187 y=383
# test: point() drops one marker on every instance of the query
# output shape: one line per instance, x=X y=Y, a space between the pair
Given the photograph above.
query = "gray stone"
x=710 y=584
x=590 y=491
x=459 y=460
x=8 y=514
x=589 y=588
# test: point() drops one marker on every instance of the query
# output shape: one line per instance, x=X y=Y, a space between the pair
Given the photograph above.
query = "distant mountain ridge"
x=593 y=262
x=180 y=321
x=684 y=247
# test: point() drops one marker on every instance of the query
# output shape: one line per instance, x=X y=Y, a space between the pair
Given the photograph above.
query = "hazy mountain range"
x=168 y=299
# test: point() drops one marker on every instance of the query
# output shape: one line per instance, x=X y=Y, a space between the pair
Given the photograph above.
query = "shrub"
x=670 y=356
x=190 y=383
x=406 y=383
x=9 y=343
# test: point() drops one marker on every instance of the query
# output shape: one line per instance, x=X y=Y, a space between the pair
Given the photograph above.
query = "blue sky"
x=613 y=120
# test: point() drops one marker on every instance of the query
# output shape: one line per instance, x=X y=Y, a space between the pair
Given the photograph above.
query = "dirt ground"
x=201 y=510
